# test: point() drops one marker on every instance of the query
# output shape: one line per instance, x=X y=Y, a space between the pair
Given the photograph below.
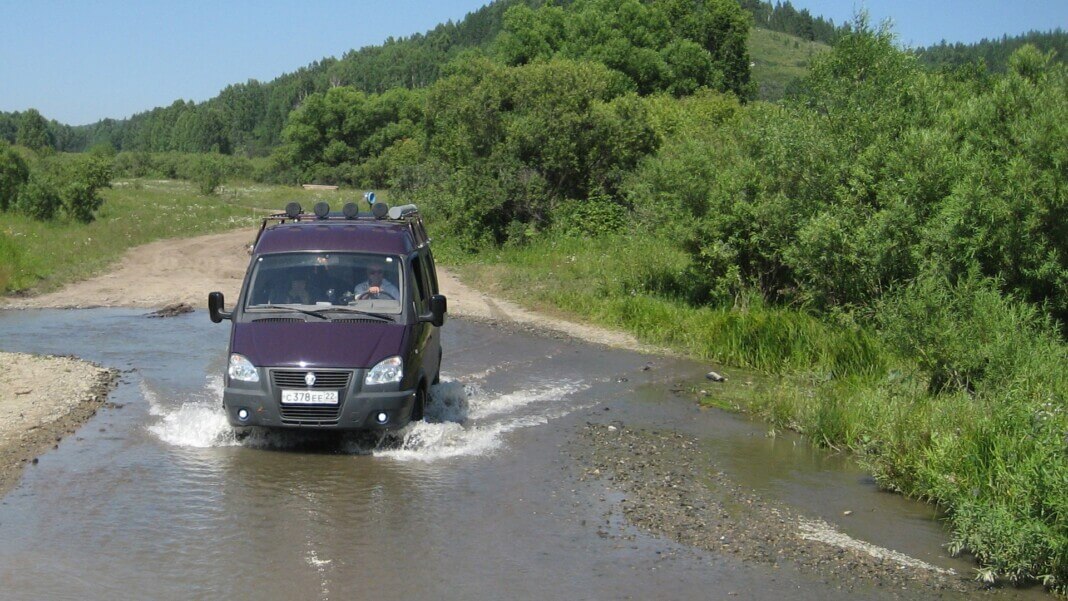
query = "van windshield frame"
x=321 y=281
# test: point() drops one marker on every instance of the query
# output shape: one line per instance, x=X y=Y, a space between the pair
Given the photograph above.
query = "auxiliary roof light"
x=350 y=210
x=380 y=210
x=322 y=209
x=402 y=211
x=293 y=210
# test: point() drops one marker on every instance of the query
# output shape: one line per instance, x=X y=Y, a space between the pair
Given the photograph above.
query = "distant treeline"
x=783 y=17
x=248 y=118
x=994 y=53
x=30 y=129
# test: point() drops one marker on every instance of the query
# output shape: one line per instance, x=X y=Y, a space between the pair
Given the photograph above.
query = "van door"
x=427 y=336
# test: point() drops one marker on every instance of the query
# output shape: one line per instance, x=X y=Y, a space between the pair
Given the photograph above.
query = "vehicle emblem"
x=309 y=379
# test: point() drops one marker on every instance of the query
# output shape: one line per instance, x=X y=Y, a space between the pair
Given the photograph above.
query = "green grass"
x=779 y=58
x=621 y=282
x=40 y=256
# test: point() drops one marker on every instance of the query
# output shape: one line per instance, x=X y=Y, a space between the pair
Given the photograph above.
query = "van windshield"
x=365 y=282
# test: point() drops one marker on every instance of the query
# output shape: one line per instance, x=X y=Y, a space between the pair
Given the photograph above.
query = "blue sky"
x=926 y=22
x=81 y=61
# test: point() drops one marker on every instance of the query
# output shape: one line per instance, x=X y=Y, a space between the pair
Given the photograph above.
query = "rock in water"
x=172 y=310
x=715 y=377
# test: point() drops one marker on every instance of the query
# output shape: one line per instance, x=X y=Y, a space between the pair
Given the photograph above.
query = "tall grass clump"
x=973 y=416
x=997 y=456
x=10 y=259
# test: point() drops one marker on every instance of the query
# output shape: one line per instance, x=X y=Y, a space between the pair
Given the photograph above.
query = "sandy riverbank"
x=42 y=399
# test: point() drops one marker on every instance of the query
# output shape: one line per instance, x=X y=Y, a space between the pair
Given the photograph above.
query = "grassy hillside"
x=778 y=59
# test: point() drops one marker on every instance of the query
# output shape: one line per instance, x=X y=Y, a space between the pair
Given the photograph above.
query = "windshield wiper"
x=287 y=308
x=359 y=312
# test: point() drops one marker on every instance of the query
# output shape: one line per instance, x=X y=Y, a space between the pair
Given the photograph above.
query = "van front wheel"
x=419 y=406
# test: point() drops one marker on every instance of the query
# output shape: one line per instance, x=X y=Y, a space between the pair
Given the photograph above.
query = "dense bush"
x=44 y=186
x=594 y=216
x=207 y=173
x=38 y=198
x=79 y=190
x=13 y=175
x=675 y=46
x=966 y=336
x=500 y=147
x=328 y=137
x=874 y=173
x=188 y=166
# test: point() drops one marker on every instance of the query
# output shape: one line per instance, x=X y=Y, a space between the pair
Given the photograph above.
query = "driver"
x=376 y=284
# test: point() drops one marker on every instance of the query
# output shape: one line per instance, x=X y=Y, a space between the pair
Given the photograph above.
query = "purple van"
x=337 y=323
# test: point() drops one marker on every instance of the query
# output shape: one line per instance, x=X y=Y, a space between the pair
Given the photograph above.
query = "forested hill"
x=248 y=118
x=994 y=53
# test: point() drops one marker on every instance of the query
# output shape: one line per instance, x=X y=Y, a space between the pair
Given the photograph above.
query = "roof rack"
x=380 y=211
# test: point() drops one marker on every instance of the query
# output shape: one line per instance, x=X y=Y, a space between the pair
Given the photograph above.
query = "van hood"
x=318 y=344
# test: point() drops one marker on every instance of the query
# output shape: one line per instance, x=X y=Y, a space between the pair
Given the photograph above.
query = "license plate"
x=309 y=397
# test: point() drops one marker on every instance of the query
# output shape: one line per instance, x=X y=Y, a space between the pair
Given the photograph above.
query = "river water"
x=154 y=498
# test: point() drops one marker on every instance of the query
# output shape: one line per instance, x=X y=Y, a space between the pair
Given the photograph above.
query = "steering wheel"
x=381 y=294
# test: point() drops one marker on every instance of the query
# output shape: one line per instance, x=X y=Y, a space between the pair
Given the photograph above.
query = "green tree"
x=38 y=198
x=13 y=175
x=207 y=173
x=673 y=45
x=34 y=131
x=83 y=180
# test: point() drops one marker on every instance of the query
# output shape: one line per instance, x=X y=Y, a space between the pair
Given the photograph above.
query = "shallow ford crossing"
x=155 y=498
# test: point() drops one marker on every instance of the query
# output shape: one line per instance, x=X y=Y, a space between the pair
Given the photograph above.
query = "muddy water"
x=154 y=498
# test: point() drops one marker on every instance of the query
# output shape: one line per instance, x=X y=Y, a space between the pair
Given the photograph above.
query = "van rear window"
x=368 y=282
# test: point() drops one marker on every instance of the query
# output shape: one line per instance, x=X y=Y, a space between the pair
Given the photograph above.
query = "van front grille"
x=295 y=378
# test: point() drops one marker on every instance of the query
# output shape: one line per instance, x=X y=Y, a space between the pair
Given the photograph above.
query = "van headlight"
x=387 y=371
x=242 y=369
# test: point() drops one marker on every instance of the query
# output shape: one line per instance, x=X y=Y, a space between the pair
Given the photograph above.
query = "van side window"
x=418 y=273
x=432 y=272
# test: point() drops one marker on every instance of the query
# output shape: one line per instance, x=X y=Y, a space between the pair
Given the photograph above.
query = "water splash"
x=467 y=430
x=198 y=422
x=461 y=420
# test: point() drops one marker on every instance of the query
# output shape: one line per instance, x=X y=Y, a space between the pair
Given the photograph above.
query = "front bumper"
x=357 y=408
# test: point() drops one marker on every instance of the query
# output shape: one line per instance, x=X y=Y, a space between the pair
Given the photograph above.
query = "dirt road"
x=185 y=270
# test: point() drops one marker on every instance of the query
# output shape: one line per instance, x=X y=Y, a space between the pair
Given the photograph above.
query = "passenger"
x=298 y=293
x=376 y=285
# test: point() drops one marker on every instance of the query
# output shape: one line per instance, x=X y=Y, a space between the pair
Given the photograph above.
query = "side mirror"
x=438 y=308
x=216 y=306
